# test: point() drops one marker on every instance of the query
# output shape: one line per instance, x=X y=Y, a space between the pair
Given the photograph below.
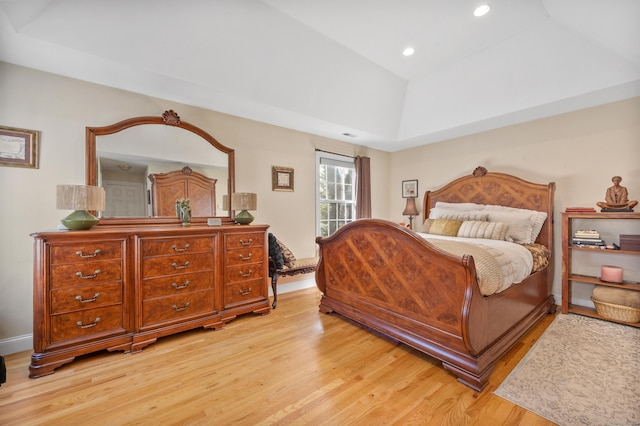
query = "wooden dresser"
x=120 y=288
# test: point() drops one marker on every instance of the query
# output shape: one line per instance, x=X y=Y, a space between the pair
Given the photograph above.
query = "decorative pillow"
x=275 y=252
x=440 y=213
x=459 y=206
x=524 y=225
x=441 y=227
x=480 y=229
x=287 y=255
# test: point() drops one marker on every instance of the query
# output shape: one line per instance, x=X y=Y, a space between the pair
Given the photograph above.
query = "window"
x=336 y=196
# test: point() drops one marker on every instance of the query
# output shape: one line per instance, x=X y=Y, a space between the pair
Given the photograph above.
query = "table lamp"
x=79 y=198
x=244 y=201
x=410 y=210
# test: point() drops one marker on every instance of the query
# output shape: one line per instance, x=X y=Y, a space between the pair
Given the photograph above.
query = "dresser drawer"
x=243 y=292
x=176 y=284
x=176 y=246
x=244 y=272
x=85 y=274
x=75 y=299
x=253 y=239
x=86 y=323
x=85 y=252
x=170 y=308
x=172 y=265
x=243 y=256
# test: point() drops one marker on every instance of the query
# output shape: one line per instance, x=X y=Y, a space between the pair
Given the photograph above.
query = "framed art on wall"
x=18 y=147
x=281 y=178
x=410 y=188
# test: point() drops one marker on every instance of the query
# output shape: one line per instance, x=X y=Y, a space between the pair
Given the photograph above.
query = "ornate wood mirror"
x=121 y=158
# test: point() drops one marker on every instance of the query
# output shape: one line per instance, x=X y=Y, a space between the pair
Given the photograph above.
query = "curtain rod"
x=335 y=153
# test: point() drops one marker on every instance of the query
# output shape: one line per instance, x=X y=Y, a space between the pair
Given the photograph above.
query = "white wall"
x=60 y=108
x=579 y=151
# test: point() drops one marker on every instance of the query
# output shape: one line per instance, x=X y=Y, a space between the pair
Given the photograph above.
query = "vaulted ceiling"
x=335 y=67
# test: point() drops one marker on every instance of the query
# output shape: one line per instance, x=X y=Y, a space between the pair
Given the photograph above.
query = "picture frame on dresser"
x=19 y=147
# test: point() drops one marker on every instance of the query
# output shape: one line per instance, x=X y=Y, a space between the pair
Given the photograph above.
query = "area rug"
x=582 y=371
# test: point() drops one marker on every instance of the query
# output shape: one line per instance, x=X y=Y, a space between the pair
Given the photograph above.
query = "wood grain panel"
x=85 y=252
x=75 y=299
x=86 y=274
x=171 y=308
x=85 y=323
x=171 y=265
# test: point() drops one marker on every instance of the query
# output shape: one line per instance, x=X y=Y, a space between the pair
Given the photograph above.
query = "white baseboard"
x=16 y=344
x=294 y=285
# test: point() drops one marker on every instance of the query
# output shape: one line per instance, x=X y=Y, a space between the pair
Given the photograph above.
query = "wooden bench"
x=286 y=267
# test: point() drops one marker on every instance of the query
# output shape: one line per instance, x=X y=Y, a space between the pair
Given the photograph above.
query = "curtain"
x=363 y=187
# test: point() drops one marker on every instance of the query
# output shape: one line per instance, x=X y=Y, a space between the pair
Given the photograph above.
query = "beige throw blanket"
x=496 y=269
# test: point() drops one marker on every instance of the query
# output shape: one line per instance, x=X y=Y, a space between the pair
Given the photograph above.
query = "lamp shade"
x=244 y=201
x=411 y=209
x=79 y=197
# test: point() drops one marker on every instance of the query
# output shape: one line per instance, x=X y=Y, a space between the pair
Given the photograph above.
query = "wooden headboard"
x=483 y=187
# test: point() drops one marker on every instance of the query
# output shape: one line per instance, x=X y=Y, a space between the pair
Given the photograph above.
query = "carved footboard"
x=391 y=280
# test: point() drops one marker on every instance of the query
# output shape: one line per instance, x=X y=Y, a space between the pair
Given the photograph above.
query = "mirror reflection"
x=127 y=159
x=145 y=167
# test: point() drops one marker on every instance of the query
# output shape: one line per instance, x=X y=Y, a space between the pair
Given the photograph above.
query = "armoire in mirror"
x=128 y=157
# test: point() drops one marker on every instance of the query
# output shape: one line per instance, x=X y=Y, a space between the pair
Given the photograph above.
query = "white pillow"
x=440 y=213
x=524 y=225
x=479 y=229
x=459 y=206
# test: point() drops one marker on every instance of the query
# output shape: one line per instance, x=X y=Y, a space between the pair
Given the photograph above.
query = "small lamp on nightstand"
x=244 y=201
x=79 y=198
x=410 y=210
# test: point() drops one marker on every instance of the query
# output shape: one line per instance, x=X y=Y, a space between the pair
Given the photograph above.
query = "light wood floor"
x=294 y=366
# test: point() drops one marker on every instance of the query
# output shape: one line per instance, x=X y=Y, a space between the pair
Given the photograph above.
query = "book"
x=580 y=209
x=580 y=235
x=616 y=210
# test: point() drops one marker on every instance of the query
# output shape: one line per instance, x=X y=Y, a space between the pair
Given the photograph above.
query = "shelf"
x=570 y=279
x=591 y=312
x=599 y=250
x=608 y=215
x=594 y=280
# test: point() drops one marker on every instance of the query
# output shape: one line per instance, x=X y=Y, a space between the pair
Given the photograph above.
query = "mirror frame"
x=168 y=118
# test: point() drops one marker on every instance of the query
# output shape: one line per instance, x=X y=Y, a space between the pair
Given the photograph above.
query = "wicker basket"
x=617 y=312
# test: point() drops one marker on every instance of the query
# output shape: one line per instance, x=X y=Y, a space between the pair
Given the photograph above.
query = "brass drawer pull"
x=246 y=243
x=180 y=287
x=245 y=292
x=91 y=324
x=88 y=277
x=93 y=299
x=176 y=248
x=247 y=274
x=85 y=256
x=182 y=308
x=245 y=258
x=175 y=265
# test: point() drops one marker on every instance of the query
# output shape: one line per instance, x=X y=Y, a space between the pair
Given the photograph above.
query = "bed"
x=392 y=281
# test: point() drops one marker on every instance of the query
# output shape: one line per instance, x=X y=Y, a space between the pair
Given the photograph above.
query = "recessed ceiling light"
x=408 y=51
x=482 y=10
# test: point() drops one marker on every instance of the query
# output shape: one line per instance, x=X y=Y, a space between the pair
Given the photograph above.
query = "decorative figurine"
x=183 y=210
x=617 y=198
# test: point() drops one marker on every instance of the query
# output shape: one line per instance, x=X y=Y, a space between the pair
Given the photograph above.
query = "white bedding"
x=510 y=263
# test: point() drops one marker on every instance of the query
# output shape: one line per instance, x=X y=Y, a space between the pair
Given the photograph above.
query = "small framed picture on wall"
x=410 y=188
x=18 y=147
x=282 y=178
